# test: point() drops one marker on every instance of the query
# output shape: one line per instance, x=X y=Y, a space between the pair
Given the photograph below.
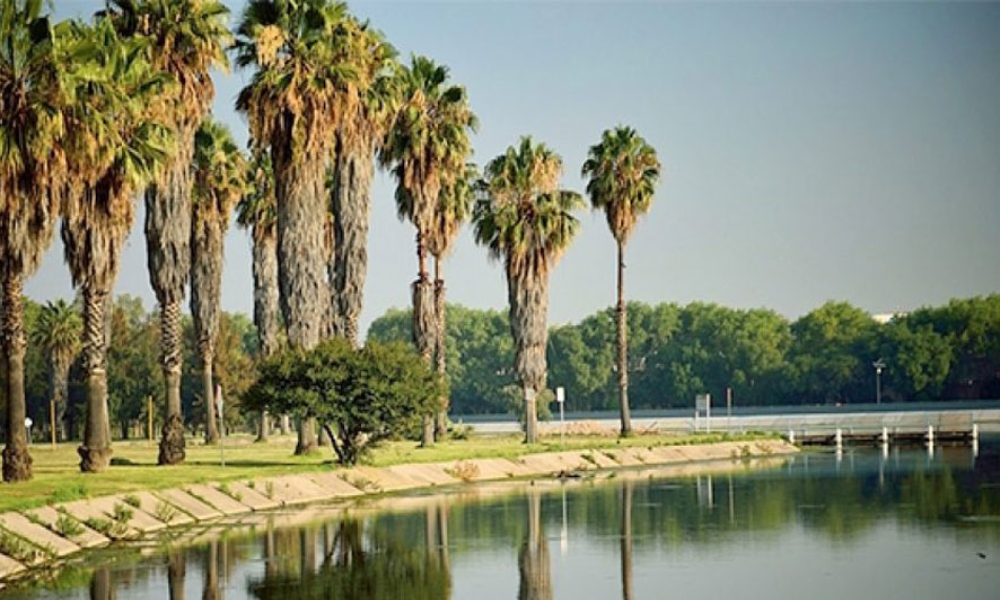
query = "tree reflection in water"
x=533 y=562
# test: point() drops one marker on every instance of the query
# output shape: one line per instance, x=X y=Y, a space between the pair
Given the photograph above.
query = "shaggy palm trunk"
x=620 y=313
x=424 y=326
x=168 y=231
x=207 y=256
x=60 y=392
x=351 y=203
x=265 y=303
x=528 y=296
x=440 y=356
x=533 y=562
x=16 y=460
x=95 y=451
x=301 y=262
x=208 y=391
x=626 y=541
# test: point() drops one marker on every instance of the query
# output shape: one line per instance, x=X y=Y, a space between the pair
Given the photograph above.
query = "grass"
x=57 y=477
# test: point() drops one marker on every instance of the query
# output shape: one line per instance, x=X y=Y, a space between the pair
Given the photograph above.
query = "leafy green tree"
x=32 y=170
x=917 y=360
x=57 y=331
x=133 y=364
x=362 y=396
x=527 y=221
x=623 y=171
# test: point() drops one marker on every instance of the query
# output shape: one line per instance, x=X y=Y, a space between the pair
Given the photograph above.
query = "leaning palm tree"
x=454 y=208
x=32 y=167
x=219 y=182
x=257 y=211
x=187 y=39
x=303 y=61
x=528 y=222
x=115 y=148
x=361 y=128
x=427 y=145
x=58 y=334
x=623 y=171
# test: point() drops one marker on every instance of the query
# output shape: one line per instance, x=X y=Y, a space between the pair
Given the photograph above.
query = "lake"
x=906 y=523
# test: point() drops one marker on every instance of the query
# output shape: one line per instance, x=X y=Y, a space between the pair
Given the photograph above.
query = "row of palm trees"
x=93 y=114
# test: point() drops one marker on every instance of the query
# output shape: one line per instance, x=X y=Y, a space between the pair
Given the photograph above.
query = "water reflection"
x=481 y=543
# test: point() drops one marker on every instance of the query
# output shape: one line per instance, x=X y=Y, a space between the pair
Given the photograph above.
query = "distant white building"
x=883 y=318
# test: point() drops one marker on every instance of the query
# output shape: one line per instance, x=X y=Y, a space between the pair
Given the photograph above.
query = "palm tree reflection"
x=533 y=561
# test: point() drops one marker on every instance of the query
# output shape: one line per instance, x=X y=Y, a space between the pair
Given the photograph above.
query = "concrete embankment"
x=32 y=538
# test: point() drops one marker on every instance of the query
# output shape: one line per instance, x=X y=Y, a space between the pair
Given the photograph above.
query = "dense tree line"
x=675 y=352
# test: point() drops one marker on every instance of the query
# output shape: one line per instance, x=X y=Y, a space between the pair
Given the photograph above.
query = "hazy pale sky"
x=811 y=151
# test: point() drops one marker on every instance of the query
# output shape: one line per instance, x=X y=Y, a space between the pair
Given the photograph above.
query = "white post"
x=839 y=438
x=930 y=435
x=885 y=436
x=561 y=399
x=791 y=436
x=975 y=432
x=222 y=423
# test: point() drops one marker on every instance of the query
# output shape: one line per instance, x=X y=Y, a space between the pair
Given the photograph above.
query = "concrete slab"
x=86 y=538
x=426 y=474
x=371 y=480
x=222 y=502
x=295 y=489
x=189 y=504
x=162 y=510
x=334 y=485
x=252 y=497
x=642 y=455
x=18 y=524
x=624 y=459
x=542 y=464
x=141 y=520
x=597 y=459
x=101 y=509
x=9 y=566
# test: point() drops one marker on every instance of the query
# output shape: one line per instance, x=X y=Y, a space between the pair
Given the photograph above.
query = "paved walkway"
x=34 y=537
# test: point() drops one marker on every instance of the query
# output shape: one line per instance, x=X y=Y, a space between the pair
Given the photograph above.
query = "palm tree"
x=361 y=128
x=58 y=333
x=115 y=148
x=623 y=171
x=527 y=221
x=454 y=208
x=187 y=39
x=304 y=64
x=257 y=211
x=427 y=144
x=32 y=167
x=220 y=180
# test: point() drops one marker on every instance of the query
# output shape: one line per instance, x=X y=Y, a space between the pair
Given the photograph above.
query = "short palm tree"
x=115 y=148
x=528 y=222
x=426 y=145
x=361 y=129
x=58 y=333
x=220 y=181
x=303 y=59
x=257 y=211
x=32 y=169
x=623 y=171
x=187 y=39
x=454 y=208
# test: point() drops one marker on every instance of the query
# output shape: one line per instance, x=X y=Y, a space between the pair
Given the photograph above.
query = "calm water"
x=866 y=525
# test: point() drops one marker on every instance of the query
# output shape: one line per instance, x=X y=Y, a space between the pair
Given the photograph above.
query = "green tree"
x=187 y=38
x=133 y=364
x=57 y=331
x=623 y=171
x=219 y=182
x=528 y=222
x=917 y=360
x=304 y=63
x=362 y=396
x=32 y=177
x=427 y=145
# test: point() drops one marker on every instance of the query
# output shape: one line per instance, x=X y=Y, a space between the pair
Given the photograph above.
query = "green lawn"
x=57 y=477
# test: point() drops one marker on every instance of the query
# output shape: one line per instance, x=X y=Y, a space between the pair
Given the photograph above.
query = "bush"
x=361 y=396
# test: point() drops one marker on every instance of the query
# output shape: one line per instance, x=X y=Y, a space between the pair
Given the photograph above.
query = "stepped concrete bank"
x=38 y=536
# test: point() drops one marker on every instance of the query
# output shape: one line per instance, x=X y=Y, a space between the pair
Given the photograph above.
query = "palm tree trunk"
x=210 y=586
x=265 y=304
x=102 y=587
x=176 y=574
x=60 y=387
x=423 y=338
x=95 y=451
x=440 y=356
x=534 y=564
x=351 y=212
x=626 y=540
x=623 y=346
x=16 y=460
x=172 y=442
x=528 y=296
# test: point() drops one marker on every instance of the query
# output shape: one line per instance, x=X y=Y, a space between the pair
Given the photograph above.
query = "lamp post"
x=879 y=365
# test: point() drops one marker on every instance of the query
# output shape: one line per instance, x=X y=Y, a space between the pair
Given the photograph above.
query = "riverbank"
x=34 y=537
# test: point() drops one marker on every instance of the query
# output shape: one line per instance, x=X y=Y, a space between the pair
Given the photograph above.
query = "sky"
x=811 y=151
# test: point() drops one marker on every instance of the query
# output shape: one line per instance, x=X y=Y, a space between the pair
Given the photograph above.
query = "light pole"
x=879 y=365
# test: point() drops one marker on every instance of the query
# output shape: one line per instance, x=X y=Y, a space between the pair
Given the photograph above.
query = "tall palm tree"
x=220 y=180
x=58 y=333
x=362 y=126
x=258 y=212
x=454 y=208
x=623 y=171
x=304 y=64
x=528 y=222
x=187 y=39
x=115 y=149
x=427 y=145
x=32 y=167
